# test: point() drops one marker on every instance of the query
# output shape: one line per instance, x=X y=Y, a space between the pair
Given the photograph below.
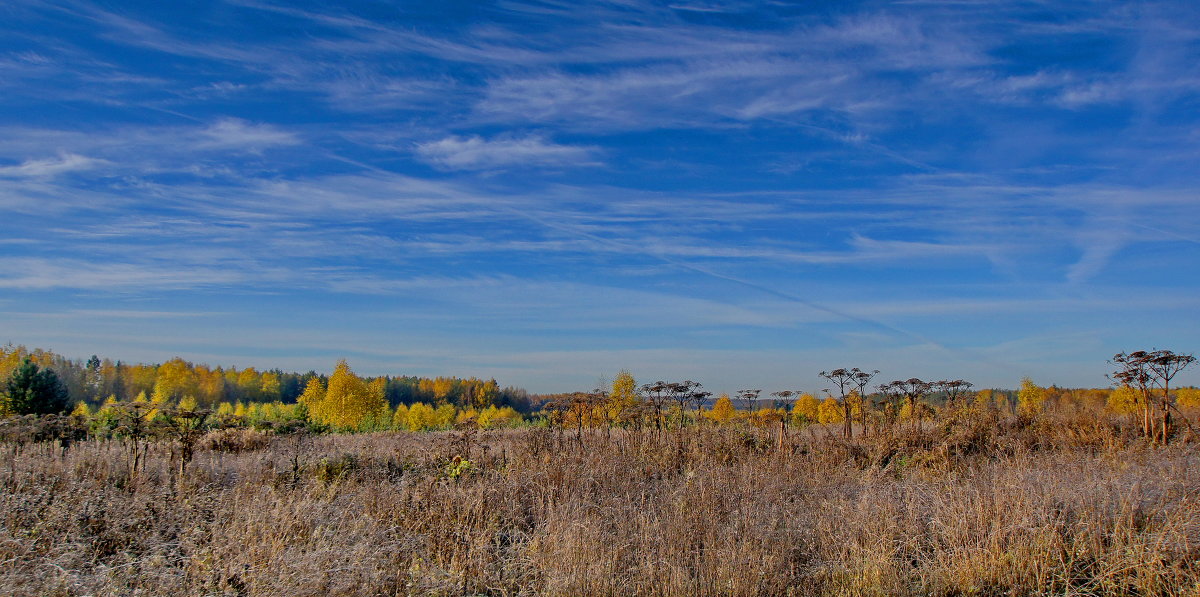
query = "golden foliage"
x=805 y=410
x=421 y=417
x=1124 y=400
x=830 y=411
x=175 y=379
x=1031 y=398
x=400 y=417
x=348 y=400
x=1187 y=397
x=722 y=410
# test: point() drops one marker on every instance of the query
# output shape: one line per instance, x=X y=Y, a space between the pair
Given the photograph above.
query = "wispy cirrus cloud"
x=64 y=163
x=370 y=216
x=26 y=273
x=234 y=133
x=138 y=149
x=121 y=314
x=476 y=153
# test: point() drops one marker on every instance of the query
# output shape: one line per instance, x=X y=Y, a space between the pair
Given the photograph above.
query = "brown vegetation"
x=974 y=504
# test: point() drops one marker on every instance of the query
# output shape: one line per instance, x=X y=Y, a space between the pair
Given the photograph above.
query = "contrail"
x=1167 y=232
x=707 y=272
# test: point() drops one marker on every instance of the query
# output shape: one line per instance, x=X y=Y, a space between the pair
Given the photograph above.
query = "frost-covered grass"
x=1056 y=507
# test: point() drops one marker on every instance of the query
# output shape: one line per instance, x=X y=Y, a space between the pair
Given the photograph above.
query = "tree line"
x=343 y=401
x=95 y=381
x=856 y=400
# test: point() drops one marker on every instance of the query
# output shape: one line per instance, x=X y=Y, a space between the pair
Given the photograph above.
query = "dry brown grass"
x=1013 y=508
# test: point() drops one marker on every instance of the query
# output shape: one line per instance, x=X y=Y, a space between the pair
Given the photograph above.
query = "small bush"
x=332 y=470
x=234 y=441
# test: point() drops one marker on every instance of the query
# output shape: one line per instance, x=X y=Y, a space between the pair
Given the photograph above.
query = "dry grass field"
x=1072 y=506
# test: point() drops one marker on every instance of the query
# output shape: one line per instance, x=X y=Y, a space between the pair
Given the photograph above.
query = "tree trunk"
x=1166 y=406
x=1146 y=418
x=848 y=420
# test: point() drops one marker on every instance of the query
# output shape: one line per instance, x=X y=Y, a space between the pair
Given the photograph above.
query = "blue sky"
x=740 y=193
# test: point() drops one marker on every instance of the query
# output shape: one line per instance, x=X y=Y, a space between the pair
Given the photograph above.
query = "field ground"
x=1045 y=507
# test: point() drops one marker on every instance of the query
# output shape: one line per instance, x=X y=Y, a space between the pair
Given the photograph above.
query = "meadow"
x=972 y=502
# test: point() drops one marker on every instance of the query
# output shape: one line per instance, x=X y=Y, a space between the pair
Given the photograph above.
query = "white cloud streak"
x=476 y=153
x=233 y=133
x=38 y=168
x=43 y=273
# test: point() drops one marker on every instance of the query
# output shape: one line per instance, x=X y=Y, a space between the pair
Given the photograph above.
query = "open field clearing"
x=1052 y=506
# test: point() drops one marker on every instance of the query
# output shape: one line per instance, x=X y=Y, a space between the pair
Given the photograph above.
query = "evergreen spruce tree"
x=35 y=391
